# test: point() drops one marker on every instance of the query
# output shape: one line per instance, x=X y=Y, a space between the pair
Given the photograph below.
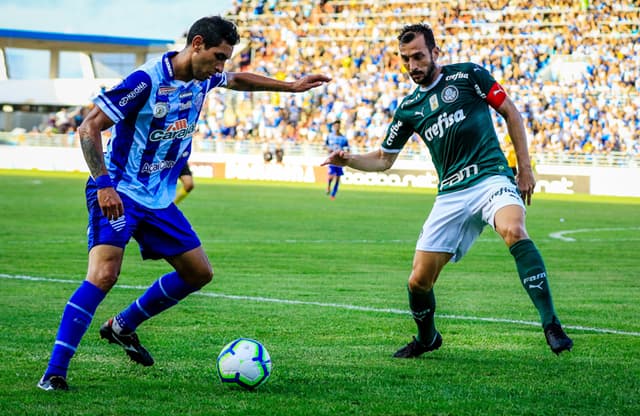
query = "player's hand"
x=337 y=158
x=309 y=81
x=526 y=184
x=110 y=203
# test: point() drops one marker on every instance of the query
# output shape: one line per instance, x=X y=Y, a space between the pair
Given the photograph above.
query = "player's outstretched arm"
x=246 y=81
x=515 y=126
x=375 y=161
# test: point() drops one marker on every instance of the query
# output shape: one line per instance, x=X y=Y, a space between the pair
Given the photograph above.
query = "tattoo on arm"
x=93 y=156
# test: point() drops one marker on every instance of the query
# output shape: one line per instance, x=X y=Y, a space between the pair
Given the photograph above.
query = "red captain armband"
x=104 y=181
x=496 y=96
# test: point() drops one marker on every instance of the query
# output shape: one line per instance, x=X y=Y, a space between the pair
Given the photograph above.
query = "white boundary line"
x=560 y=235
x=333 y=305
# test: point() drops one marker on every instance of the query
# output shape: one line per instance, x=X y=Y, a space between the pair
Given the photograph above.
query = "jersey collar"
x=433 y=84
x=167 y=67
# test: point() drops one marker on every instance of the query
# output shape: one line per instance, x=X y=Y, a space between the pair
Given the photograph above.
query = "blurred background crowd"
x=573 y=69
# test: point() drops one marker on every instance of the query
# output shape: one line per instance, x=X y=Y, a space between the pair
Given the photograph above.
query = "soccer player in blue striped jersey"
x=450 y=111
x=153 y=114
x=335 y=141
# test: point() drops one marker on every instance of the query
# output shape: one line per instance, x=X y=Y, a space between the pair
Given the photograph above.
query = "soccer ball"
x=244 y=362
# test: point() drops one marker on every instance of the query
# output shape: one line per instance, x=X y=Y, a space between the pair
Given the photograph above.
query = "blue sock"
x=335 y=188
x=76 y=318
x=161 y=295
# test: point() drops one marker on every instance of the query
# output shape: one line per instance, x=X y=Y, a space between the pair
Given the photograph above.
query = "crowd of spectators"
x=571 y=67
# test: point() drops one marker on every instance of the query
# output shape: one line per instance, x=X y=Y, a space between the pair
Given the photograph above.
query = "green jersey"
x=452 y=117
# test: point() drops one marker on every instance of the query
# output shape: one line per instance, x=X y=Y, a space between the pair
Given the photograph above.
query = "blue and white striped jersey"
x=155 y=116
x=336 y=142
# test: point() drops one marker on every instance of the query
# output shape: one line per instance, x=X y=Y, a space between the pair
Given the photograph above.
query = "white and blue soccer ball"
x=244 y=362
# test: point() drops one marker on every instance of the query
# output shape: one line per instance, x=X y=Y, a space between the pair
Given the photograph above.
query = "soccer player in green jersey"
x=449 y=110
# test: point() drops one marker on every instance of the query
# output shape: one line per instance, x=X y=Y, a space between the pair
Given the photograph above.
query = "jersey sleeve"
x=126 y=98
x=487 y=87
x=397 y=135
x=217 y=80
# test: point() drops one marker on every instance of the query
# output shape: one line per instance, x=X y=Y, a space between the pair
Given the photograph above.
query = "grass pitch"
x=323 y=285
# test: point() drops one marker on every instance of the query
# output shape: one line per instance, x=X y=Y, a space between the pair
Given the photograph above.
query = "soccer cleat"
x=53 y=383
x=416 y=348
x=557 y=339
x=129 y=342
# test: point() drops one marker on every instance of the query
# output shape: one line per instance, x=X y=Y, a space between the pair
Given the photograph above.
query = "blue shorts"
x=335 y=170
x=160 y=233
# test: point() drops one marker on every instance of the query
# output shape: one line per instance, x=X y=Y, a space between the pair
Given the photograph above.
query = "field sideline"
x=322 y=284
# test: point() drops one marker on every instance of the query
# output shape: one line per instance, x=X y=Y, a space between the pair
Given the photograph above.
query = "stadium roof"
x=64 y=92
x=27 y=39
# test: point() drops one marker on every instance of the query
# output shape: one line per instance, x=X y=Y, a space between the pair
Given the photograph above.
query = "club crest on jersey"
x=160 y=110
x=433 y=102
x=449 y=94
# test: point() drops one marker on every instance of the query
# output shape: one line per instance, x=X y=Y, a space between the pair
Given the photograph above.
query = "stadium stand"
x=572 y=68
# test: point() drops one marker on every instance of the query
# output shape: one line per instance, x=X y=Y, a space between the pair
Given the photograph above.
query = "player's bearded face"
x=419 y=61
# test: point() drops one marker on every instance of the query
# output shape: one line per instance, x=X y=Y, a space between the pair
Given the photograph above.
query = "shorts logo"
x=449 y=94
x=119 y=223
x=160 y=110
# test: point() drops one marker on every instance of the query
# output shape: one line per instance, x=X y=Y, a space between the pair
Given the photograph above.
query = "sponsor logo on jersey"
x=456 y=76
x=411 y=100
x=187 y=94
x=393 y=131
x=177 y=130
x=185 y=106
x=167 y=65
x=158 y=166
x=160 y=110
x=449 y=94
x=437 y=129
x=433 y=102
x=166 y=90
x=459 y=176
x=132 y=94
x=479 y=91
x=197 y=102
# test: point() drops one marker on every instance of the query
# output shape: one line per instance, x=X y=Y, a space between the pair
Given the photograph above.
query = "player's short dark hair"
x=214 y=30
x=409 y=33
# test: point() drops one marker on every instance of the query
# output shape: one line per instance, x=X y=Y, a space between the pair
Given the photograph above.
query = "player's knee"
x=104 y=278
x=513 y=233
x=418 y=283
x=204 y=275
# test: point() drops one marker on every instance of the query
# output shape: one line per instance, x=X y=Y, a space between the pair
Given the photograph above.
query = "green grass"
x=290 y=243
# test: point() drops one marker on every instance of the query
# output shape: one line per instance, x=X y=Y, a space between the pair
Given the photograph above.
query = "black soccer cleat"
x=557 y=339
x=416 y=348
x=129 y=342
x=53 y=383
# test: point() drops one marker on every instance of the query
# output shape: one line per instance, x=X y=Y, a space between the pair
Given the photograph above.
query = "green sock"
x=533 y=276
x=423 y=307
